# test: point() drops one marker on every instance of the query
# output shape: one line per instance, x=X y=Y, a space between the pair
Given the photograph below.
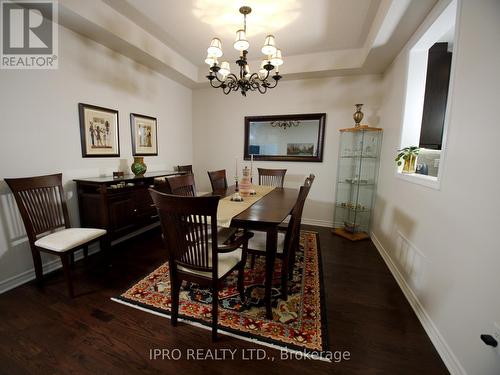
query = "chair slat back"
x=292 y=236
x=185 y=168
x=41 y=203
x=189 y=226
x=182 y=185
x=271 y=177
x=218 y=179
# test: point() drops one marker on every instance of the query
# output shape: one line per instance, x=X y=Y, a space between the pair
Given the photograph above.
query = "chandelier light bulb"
x=225 y=69
x=241 y=43
x=277 y=58
x=269 y=47
x=215 y=48
x=210 y=60
x=262 y=71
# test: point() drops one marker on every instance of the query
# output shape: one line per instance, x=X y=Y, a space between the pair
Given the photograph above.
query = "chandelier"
x=220 y=75
x=285 y=124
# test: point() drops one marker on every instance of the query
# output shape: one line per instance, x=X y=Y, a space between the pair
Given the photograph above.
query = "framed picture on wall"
x=98 y=131
x=144 y=135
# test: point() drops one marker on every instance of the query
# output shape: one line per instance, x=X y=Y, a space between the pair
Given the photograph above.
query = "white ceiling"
x=317 y=37
x=300 y=26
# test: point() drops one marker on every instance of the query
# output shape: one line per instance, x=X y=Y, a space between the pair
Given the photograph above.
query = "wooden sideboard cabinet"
x=121 y=206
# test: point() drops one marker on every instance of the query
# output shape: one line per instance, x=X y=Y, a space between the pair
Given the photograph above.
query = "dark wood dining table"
x=265 y=215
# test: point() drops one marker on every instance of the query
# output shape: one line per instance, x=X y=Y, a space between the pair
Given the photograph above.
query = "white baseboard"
x=449 y=359
x=49 y=266
x=319 y=223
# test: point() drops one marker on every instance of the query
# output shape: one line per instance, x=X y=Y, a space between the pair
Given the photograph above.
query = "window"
x=427 y=89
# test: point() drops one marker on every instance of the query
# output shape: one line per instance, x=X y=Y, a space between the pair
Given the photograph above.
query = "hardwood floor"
x=43 y=331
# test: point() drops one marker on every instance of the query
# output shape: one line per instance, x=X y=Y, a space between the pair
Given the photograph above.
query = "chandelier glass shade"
x=220 y=75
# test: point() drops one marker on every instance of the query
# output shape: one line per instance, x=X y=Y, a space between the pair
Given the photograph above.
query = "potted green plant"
x=408 y=156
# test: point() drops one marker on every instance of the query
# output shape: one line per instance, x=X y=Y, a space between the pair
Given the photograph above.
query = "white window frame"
x=414 y=100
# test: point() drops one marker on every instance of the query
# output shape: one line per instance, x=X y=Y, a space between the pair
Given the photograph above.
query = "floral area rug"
x=298 y=323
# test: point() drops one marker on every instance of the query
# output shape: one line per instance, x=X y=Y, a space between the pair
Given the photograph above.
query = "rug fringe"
x=223 y=332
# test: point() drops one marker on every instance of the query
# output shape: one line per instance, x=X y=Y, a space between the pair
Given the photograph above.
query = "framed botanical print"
x=98 y=131
x=144 y=135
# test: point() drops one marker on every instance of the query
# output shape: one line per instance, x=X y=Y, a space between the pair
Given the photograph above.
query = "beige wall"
x=443 y=242
x=40 y=130
x=218 y=130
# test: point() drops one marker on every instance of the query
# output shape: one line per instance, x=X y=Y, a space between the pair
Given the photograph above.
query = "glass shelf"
x=357 y=174
x=358 y=156
x=353 y=208
x=357 y=183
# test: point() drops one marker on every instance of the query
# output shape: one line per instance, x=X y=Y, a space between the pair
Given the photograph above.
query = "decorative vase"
x=358 y=115
x=410 y=164
x=245 y=183
x=138 y=167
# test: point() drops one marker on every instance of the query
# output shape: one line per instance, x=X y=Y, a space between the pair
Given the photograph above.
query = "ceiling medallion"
x=285 y=124
x=220 y=75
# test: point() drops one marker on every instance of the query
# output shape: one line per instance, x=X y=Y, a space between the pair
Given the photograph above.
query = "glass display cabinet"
x=357 y=171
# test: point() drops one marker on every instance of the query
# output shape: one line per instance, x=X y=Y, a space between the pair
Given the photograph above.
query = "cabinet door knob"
x=135 y=209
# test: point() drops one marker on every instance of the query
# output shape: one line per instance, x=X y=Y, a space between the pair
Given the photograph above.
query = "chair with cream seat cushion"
x=43 y=209
x=198 y=251
x=69 y=238
x=225 y=263
x=283 y=226
x=258 y=242
x=287 y=242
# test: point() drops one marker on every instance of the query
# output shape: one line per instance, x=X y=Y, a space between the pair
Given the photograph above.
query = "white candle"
x=236 y=175
x=251 y=168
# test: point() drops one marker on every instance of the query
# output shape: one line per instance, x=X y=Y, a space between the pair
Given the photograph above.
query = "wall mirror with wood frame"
x=285 y=137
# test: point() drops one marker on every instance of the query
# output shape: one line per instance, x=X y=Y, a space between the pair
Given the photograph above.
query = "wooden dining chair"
x=197 y=251
x=295 y=245
x=185 y=168
x=283 y=227
x=218 y=179
x=181 y=185
x=43 y=209
x=271 y=177
x=287 y=241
